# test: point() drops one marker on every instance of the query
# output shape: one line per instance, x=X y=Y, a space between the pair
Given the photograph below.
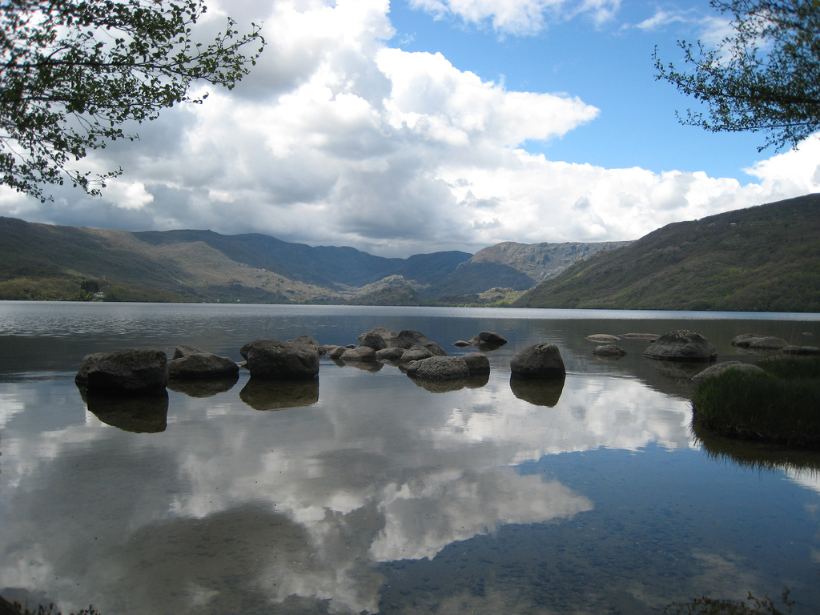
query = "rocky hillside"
x=541 y=261
x=764 y=258
x=39 y=261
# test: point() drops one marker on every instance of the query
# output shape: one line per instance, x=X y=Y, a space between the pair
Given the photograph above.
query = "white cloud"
x=337 y=138
x=518 y=17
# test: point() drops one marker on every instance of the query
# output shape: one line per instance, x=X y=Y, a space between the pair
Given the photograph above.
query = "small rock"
x=461 y=343
x=360 y=353
x=681 y=345
x=489 y=339
x=372 y=339
x=415 y=354
x=609 y=350
x=646 y=337
x=201 y=365
x=351 y=346
x=125 y=370
x=767 y=343
x=326 y=349
x=720 y=368
x=337 y=352
x=390 y=354
x=603 y=338
x=744 y=339
x=538 y=361
x=439 y=368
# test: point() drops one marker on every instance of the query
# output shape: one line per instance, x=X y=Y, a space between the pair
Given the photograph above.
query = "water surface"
x=370 y=493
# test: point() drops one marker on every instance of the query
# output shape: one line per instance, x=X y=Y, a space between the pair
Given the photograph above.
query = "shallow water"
x=371 y=493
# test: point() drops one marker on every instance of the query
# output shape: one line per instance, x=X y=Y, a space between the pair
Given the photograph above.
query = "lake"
x=370 y=493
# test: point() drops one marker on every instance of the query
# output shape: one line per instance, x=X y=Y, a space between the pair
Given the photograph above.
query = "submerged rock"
x=646 y=337
x=756 y=341
x=603 y=338
x=801 y=350
x=125 y=370
x=681 y=345
x=609 y=350
x=538 y=361
x=720 y=368
x=201 y=365
x=274 y=360
x=439 y=368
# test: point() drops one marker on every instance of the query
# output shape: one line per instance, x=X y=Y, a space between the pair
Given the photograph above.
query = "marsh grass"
x=781 y=406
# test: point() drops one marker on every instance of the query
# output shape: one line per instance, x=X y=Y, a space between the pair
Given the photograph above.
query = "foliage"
x=74 y=74
x=765 y=76
x=752 y=605
x=19 y=609
x=762 y=407
x=764 y=258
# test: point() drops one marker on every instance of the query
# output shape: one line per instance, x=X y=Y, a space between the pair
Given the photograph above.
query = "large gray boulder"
x=439 y=368
x=201 y=365
x=538 y=361
x=132 y=371
x=273 y=360
x=360 y=353
x=681 y=345
x=720 y=368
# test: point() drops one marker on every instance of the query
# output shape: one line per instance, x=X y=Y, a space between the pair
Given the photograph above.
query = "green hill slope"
x=764 y=258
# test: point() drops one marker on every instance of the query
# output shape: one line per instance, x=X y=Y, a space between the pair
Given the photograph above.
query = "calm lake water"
x=369 y=493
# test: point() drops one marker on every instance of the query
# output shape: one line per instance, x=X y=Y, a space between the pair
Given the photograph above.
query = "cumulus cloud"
x=338 y=138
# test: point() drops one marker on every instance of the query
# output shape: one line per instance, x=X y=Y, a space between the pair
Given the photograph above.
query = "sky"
x=423 y=125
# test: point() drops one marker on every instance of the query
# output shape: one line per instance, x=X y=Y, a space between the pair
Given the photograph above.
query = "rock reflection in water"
x=538 y=392
x=203 y=388
x=280 y=394
x=447 y=386
x=365 y=366
x=147 y=413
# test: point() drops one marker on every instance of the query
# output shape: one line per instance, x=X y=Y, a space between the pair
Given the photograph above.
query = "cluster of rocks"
x=755 y=341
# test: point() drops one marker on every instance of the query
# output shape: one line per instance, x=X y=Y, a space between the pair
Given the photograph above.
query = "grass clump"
x=782 y=405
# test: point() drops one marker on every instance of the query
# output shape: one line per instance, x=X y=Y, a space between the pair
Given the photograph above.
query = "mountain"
x=764 y=258
x=40 y=261
x=541 y=261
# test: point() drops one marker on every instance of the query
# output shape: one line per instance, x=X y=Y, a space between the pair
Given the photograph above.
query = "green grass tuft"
x=781 y=406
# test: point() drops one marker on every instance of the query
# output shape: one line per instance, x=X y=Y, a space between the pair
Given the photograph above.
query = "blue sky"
x=422 y=125
x=608 y=65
